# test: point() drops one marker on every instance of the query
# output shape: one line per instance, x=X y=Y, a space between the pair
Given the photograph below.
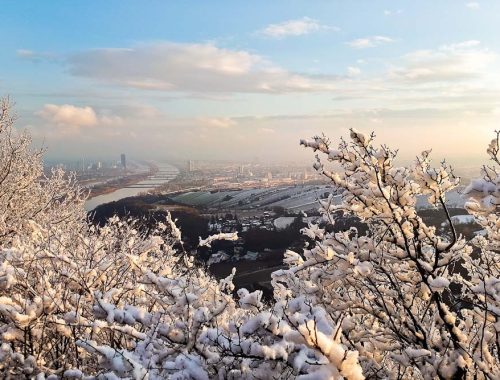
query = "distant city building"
x=190 y=166
x=123 y=161
x=96 y=166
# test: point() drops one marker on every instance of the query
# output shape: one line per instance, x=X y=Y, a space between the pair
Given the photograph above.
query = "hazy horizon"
x=231 y=80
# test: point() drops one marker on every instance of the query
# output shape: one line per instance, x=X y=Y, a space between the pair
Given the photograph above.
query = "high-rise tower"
x=123 y=161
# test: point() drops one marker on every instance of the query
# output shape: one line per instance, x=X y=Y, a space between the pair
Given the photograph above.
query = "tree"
x=26 y=194
x=80 y=301
x=390 y=288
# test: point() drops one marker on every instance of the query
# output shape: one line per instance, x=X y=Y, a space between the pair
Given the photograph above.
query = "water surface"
x=166 y=173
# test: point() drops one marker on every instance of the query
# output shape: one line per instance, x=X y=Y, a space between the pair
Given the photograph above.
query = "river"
x=165 y=173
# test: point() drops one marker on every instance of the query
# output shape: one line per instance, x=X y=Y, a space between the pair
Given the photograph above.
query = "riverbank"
x=121 y=182
x=162 y=174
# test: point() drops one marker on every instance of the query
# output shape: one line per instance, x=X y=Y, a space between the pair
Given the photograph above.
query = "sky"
x=242 y=80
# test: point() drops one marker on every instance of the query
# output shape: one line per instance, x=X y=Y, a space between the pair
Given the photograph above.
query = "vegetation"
x=110 y=301
x=147 y=212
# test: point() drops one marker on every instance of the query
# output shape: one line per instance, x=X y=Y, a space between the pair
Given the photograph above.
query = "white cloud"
x=68 y=114
x=449 y=63
x=218 y=122
x=67 y=119
x=388 y=12
x=298 y=27
x=369 y=42
x=193 y=68
x=35 y=56
x=267 y=130
x=353 y=71
x=472 y=5
x=110 y=120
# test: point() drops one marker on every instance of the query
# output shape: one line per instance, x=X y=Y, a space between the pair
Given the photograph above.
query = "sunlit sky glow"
x=234 y=79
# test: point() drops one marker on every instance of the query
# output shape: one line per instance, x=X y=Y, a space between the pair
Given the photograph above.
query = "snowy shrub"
x=79 y=301
x=112 y=302
x=390 y=289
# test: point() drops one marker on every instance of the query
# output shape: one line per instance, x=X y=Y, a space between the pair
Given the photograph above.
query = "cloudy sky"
x=245 y=79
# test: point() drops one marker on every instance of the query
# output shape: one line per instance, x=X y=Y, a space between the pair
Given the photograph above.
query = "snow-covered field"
x=293 y=198
x=303 y=197
x=284 y=221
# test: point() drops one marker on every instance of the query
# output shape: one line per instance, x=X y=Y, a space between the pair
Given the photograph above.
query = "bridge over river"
x=164 y=174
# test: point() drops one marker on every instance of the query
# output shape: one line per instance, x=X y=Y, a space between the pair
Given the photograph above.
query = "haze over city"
x=240 y=80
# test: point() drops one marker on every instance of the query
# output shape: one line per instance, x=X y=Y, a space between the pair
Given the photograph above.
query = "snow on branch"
x=229 y=236
x=395 y=298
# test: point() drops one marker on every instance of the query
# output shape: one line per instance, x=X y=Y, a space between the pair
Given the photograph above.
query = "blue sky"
x=223 y=79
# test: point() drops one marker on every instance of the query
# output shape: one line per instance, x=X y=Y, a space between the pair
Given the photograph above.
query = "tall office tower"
x=124 y=161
